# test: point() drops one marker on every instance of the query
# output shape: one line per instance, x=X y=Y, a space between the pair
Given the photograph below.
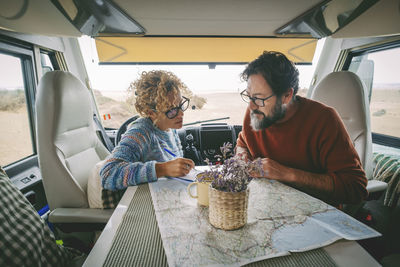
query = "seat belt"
x=104 y=135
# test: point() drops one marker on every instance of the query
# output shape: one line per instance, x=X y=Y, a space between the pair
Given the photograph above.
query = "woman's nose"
x=180 y=113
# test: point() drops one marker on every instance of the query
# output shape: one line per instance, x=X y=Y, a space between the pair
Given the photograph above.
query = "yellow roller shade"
x=199 y=49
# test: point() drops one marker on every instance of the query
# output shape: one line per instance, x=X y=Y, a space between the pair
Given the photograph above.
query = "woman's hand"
x=174 y=168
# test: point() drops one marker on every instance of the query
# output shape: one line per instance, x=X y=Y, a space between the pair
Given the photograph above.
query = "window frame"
x=377 y=138
x=52 y=56
x=25 y=53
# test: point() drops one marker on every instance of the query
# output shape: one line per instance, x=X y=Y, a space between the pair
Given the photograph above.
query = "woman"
x=151 y=147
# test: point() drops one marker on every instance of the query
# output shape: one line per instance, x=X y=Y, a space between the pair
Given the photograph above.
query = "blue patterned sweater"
x=133 y=161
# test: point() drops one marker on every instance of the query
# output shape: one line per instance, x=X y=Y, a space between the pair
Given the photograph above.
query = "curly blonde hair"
x=151 y=91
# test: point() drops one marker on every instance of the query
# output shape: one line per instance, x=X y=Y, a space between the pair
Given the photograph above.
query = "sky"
x=387 y=66
x=10 y=72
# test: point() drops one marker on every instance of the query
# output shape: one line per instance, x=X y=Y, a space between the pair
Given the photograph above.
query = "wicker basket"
x=228 y=210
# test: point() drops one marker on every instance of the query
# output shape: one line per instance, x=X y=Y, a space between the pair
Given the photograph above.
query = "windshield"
x=216 y=89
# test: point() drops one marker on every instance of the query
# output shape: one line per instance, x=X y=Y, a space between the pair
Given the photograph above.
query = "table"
x=148 y=253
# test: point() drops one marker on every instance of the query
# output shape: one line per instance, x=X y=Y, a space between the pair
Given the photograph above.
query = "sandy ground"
x=16 y=141
x=219 y=105
x=116 y=95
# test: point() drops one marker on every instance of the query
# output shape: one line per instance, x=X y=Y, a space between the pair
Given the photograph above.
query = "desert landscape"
x=219 y=105
x=16 y=137
x=385 y=108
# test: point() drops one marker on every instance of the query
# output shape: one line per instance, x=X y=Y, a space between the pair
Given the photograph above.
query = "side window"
x=15 y=135
x=305 y=75
x=380 y=72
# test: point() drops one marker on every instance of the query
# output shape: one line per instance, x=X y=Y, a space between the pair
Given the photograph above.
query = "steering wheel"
x=122 y=129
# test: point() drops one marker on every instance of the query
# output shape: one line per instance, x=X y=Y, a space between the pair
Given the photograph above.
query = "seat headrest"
x=63 y=90
x=344 y=91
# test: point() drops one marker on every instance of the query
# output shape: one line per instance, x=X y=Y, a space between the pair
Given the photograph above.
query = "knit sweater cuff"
x=152 y=175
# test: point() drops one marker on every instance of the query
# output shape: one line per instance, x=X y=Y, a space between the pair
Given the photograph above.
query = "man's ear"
x=287 y=97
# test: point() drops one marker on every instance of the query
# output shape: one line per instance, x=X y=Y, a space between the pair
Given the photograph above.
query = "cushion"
x=98 y=197
x=94 y=187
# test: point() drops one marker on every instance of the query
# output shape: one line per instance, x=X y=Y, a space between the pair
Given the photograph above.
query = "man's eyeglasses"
x=258 y=101
x=173 y=112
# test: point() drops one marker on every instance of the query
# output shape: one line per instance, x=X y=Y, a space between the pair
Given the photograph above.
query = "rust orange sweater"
x=315 y=140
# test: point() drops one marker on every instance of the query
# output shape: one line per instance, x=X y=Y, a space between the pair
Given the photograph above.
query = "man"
x=302 y=143
x=25 y=239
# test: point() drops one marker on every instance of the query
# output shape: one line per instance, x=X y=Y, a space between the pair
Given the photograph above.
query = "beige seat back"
x=345 y=92
x=68 y=146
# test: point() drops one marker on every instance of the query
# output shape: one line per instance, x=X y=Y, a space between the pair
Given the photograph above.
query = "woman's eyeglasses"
x=258 y=101
x=173 y=112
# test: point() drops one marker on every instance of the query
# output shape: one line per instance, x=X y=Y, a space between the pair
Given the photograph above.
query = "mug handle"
x=188 y=190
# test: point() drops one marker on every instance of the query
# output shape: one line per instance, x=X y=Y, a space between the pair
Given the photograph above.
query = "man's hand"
x=174 y=168
x=318 y=185
x=242 y=153
x=273 y=170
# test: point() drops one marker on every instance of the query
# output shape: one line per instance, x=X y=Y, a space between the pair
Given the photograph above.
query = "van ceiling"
x=197 y=18
x=383 y=19
x=165 y=17
x=214 y=17
x=34 y=17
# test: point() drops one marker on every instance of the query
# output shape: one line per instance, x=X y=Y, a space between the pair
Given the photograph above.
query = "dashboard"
x=204 y=141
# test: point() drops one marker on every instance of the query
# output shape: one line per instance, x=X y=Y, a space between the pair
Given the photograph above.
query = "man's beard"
x=278 y=112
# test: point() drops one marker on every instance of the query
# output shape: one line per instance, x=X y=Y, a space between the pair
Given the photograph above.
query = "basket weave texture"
x=228 y=210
